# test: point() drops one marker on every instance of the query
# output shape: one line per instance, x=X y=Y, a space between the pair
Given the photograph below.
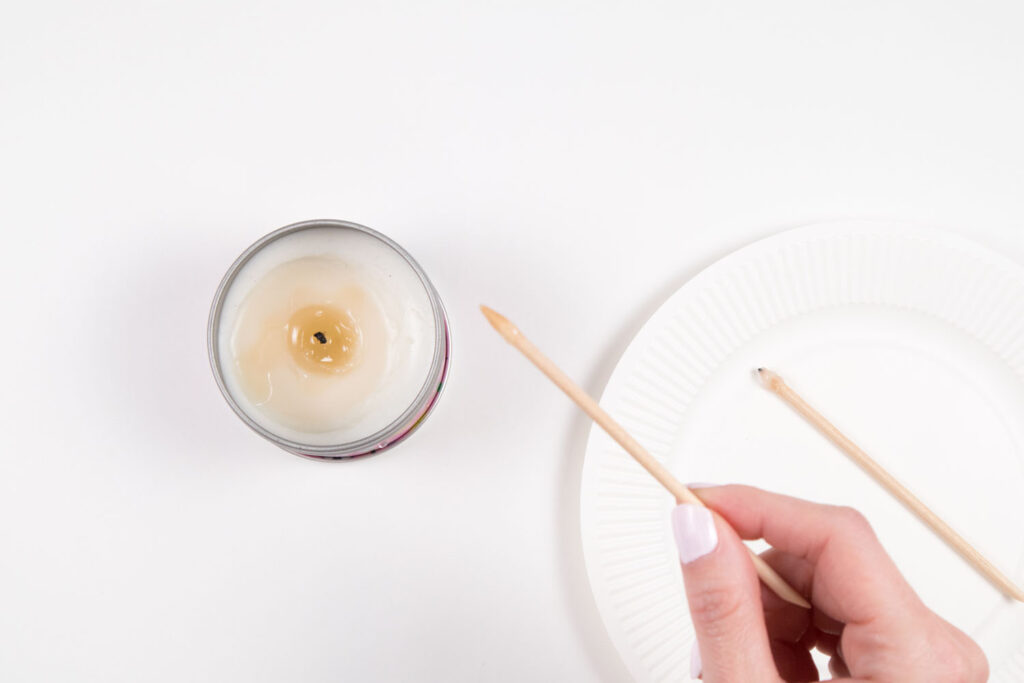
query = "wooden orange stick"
x=775 y=383
x=682 y=494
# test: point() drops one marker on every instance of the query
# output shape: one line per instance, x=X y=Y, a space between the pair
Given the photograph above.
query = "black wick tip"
x=320 y=337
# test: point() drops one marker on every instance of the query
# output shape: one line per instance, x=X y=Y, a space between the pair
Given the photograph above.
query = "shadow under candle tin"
x=388 y=260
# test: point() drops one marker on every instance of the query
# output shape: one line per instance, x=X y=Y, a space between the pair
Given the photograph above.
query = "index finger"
x=854 y=579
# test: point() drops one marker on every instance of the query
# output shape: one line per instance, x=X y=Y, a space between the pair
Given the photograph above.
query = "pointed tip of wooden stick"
x=499 y=322
x=769 y=379
x=773 y=580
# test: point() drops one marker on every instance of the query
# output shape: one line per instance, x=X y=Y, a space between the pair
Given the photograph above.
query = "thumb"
x=725 y=599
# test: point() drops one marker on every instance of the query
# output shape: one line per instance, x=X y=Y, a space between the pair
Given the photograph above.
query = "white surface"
x=908 y=339
x=571 y=164
x=396 y=327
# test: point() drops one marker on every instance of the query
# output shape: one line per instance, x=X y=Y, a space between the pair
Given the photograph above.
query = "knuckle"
x=961 y=660
x=977 y=663
x=712 y=606
x=979 y=668
x=946 y=658
x=852 y=518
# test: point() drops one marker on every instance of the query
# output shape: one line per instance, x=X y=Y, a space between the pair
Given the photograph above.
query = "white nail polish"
x=694 y=530
x=700 y=485
x=695 y=663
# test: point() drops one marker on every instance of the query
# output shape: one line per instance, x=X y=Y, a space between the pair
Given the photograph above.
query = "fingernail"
x=695 y=665
x=695 y=531
x=700 y=485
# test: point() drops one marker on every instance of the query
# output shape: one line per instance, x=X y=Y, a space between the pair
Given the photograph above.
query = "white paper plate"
x=910 y=340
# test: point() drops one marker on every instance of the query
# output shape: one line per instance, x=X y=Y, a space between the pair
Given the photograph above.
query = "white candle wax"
x=326 y=336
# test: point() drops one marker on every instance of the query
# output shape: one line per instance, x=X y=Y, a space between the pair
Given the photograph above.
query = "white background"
x=570 y=164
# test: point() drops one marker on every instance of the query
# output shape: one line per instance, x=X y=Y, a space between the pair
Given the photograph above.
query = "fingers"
x=837 y=667
x=794 y=662
x=865 y=614
x=725 y=598
x=786 y=621
x=790 y=630
x=828 y=644
x=854 y=579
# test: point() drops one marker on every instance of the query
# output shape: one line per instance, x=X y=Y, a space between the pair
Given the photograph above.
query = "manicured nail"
x=695 y=665
x=695 y=531
x=700 y=485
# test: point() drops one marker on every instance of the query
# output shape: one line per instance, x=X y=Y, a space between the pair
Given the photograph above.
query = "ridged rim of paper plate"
x=627 y=553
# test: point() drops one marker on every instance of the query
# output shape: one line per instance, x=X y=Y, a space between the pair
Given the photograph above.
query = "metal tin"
x=410 y=419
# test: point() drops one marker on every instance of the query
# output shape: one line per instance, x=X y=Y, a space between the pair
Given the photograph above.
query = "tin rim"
x=398 y=429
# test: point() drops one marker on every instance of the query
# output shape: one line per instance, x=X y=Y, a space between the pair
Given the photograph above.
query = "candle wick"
x=321 y=337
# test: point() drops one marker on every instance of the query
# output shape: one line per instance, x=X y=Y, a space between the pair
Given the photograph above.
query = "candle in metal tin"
x=328 y=339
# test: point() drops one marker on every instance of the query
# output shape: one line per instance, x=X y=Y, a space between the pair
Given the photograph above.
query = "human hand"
x=865 y=615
